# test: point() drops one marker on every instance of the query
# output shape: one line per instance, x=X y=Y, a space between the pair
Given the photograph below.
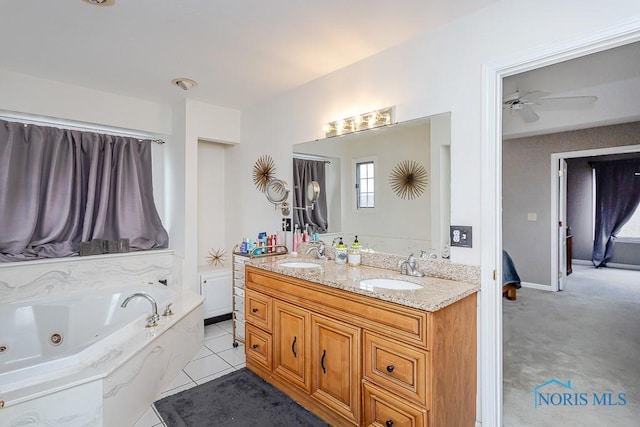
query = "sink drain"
x=56 y=339
x=3 y=348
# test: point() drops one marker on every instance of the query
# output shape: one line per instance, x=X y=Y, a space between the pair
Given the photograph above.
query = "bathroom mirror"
x=391 y=224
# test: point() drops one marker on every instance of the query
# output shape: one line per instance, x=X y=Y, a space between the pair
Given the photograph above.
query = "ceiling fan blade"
x=528 y=114
x=568 y=101
x=528 y=97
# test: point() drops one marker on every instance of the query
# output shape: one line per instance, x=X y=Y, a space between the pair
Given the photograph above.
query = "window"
x=365 y=193
x=631 y=230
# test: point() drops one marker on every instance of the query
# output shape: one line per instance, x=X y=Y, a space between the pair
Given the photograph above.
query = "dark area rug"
x=240 y=398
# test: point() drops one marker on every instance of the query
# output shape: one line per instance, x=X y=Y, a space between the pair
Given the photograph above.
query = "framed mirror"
x=359 y=196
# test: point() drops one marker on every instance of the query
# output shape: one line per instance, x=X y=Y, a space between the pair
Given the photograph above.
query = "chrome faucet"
x=408 y=267
x=152 y=320
x=428 y=255
x=319 y=250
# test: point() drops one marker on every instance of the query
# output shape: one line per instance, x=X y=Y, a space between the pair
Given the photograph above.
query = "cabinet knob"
x=254 y=346
x=254 y=310
x=390 y=368
x=389 y=423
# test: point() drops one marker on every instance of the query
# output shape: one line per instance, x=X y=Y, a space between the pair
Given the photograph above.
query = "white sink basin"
x=299 y=265
x=395 y=284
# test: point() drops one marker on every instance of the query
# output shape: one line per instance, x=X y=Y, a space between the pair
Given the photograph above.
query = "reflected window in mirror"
x=304 y=172
x=365 y=188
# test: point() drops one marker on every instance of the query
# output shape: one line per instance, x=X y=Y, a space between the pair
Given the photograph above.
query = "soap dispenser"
x=353 y=256
x=341 y=253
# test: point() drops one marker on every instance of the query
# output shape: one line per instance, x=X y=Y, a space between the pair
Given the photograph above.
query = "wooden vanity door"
x=291 y=330
x=335 y=367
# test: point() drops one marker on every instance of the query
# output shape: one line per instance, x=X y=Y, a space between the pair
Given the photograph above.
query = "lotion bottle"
x=341 y=253
x=353 y=257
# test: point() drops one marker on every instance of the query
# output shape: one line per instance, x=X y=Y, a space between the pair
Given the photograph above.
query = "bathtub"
x=84 y=360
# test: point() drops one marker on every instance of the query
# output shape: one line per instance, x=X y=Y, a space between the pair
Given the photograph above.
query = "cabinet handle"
x=390 y=368
x=293 y=346
x=389 y=423
x=254 y=310
x=254 y=346
x=324 y=353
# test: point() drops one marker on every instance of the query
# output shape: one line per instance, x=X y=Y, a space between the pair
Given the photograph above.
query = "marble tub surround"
x=435 y=294
x=117 y=380
x=61 y=276
x=441 y=268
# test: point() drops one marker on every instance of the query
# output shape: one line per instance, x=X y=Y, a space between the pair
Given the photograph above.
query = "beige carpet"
x=588 y=334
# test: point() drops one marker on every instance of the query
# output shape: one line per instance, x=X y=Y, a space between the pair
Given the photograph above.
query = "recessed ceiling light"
x=100 y=2
x=184 y=83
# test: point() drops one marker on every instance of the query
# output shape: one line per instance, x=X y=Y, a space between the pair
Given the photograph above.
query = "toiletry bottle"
x=251 y=247
x=278 y=242
x=295 y=241
x=353 y=256
x=341 y=253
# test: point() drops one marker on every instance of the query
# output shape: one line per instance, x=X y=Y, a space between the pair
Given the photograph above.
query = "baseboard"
x=217 y=319
x=610 y=265
x=623 y=266
x=537 y=286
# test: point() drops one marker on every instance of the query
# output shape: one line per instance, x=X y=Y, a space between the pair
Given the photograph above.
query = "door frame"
x=555 y=160
x=491 y=189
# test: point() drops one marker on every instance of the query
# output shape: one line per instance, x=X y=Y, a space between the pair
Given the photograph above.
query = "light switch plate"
x=461 y=236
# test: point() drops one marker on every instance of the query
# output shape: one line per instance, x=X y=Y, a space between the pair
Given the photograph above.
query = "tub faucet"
x=319 y=250
x=408 y=267
x=152 y=320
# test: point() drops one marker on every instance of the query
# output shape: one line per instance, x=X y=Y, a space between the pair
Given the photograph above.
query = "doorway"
x=491 y=246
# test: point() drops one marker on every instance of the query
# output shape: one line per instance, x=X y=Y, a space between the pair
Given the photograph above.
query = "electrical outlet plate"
x=461 y=236
x=286 y=224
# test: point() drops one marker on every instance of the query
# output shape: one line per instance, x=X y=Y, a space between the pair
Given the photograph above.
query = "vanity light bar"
x=370 y=120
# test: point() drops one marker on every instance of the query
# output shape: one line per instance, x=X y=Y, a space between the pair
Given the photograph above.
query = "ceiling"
x=612 y=75
x=240 y=52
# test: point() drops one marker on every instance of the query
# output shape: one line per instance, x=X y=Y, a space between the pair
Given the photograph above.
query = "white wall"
x=438 y=72
x=211 y=212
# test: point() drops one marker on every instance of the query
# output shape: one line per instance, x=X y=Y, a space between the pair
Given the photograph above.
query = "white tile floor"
x=216 y=358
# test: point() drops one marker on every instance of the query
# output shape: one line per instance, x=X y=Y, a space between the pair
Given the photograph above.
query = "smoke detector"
x=184 y=83
x=100 y=2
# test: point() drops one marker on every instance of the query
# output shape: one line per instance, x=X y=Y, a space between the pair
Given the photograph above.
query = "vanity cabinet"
x=335 y=366
x=291 y=337
x=358 y=360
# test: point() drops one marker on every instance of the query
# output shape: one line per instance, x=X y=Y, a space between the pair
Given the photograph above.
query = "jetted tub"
x=85 y=360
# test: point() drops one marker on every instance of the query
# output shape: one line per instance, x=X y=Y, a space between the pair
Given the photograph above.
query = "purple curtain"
x=305 y=171
x=617 y=197
x=60 y=187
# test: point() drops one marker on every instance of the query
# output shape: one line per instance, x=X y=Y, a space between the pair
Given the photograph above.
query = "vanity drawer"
x=258 y=309
x=259 y=346
x=382 y=409
x=396 y=367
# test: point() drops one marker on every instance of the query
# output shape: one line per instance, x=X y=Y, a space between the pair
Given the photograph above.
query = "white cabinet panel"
x=216 y=289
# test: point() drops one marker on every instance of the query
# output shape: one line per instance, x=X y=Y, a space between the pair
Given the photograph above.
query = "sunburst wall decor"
x=217 y=257
x=264 y=170
x=408 y=179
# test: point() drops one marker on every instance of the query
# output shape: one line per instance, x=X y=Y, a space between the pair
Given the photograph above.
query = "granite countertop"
x=436 y=293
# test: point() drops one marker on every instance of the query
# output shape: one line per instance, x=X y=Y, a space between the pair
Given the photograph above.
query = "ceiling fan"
x=522 y=103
